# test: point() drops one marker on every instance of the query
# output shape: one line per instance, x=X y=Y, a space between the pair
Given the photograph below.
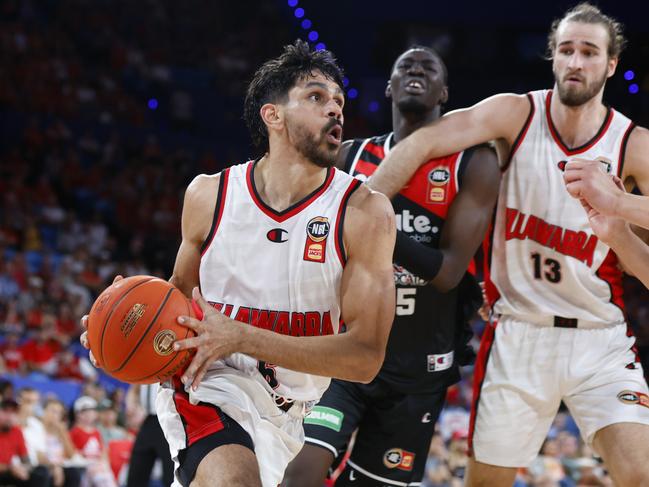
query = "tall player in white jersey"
x=285 y=250
x=560 y=332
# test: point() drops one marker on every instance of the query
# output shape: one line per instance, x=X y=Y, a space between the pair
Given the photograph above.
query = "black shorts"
x=394 y=431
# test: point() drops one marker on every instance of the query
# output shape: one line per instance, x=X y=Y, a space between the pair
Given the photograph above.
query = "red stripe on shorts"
x=479 y=375
x=199 y=420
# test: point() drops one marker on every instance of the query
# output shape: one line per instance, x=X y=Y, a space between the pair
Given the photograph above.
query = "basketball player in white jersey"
x=286 y=250
x=560 y=333
x=610 y=210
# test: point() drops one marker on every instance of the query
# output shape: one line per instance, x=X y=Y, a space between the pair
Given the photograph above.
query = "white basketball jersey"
x=546 y=261
x=277 y=270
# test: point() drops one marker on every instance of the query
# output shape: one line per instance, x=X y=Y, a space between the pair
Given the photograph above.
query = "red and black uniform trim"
x=340 y=221
x=280 y=216
x=625 y=141
x=480 y=369
x=199 y=420
x=521 y=134
x=221 y=193
x=206 y=427
x=582 y=148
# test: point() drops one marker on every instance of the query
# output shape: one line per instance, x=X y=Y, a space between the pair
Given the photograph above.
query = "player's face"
x=314 y=119
x=417 y=82
x=580 y=61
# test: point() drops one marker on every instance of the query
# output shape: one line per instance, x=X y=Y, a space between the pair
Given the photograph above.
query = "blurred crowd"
x=104 y=120
x=44 y=443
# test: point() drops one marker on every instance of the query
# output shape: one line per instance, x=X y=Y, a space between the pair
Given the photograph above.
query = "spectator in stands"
x=15 y=469
x=12 y=354
x=59 y=447
x=32 y=427
x=458 y=456
x=40 y=352
x=437 y=471
x=108 y=427
x=6 y=389
x=68 y=365
x=150 y=443
x=547 y=466
x=87 y=439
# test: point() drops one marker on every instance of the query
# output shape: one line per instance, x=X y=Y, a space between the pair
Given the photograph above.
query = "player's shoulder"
x=370 y=212
x=510 y=100
x=201 y=185
x=636 y=160
x=350 y=148
x=639 y=139
x=202 y=192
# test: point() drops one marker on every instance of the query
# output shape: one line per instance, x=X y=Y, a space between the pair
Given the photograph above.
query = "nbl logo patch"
x=436 y=190
x=633 y=397
x=398 y=458
x=317 y=231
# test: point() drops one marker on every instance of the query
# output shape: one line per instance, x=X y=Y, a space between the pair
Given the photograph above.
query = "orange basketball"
x=132 y=327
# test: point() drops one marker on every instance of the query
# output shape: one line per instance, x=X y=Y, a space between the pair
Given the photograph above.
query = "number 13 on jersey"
x=406 y=301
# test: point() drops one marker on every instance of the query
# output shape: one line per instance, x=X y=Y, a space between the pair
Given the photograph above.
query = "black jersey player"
x=442 y=216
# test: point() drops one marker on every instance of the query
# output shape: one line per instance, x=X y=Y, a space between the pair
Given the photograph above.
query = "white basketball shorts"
x=524 y=371
x=277 y=435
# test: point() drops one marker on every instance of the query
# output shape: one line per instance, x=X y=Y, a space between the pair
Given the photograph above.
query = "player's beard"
x=574 y=97
x=316 y=149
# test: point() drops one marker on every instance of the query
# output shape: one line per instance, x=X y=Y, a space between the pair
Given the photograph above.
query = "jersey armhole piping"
x=340 y=221
x=218 y=210
x=521 y=133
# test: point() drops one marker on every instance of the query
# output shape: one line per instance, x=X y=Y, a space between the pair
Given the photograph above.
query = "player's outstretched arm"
x=630 y=249
x=465 y=227
x=367 y=304
x=498 y=117
x=586 y=180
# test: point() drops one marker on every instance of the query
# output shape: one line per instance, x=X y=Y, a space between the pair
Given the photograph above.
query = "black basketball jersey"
x=429 y=326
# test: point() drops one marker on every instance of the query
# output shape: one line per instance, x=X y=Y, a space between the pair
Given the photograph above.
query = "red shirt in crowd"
x=12 y=357
x=87 y=442
x=40 y=353
x=12 y=443
x=69 y=368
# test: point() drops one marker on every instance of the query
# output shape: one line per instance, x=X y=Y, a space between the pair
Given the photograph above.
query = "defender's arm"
x=498 y=117
x=466 y=224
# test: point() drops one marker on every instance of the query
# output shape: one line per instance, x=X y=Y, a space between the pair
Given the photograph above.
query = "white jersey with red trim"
x=546 y=260
x=277 y=270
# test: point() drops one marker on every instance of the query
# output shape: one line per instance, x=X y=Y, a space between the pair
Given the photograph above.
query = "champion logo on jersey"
x=277 y=235
x=438 y=178
x=607 y=164
x=317 y=231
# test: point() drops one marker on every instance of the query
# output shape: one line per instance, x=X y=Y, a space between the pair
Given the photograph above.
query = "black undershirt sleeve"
x=419 y=259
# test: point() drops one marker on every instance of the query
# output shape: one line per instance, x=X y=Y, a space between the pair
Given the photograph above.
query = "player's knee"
x=226 y=478
x=309 y=468
x=228 y=466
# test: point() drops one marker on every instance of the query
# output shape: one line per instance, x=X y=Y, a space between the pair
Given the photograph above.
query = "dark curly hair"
x=274 y=79
x=590 y=14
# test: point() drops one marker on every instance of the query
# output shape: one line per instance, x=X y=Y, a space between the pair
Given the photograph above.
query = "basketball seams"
x=178 y=355
x=110 y=314
x=153 y=320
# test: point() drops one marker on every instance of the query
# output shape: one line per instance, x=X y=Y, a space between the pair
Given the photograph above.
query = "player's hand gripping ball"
x=132 y=327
